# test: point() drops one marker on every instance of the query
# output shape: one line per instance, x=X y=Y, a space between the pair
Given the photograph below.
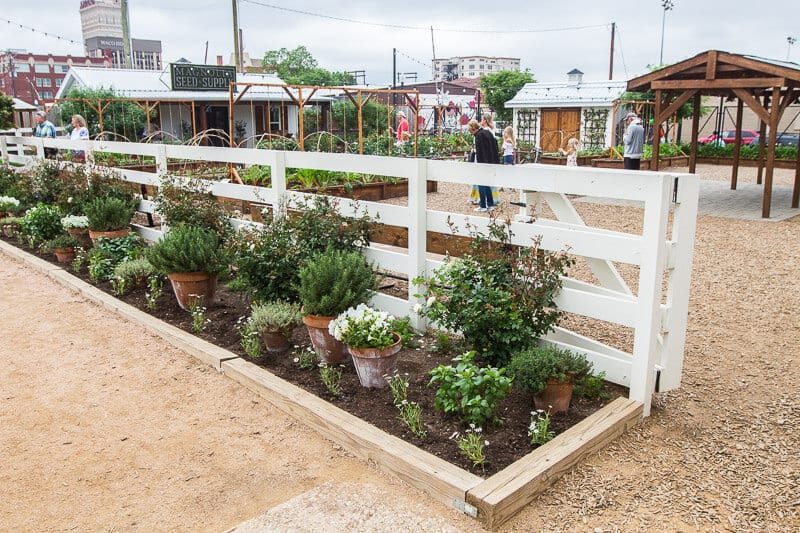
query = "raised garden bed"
x=728 y=161
x=515 y=473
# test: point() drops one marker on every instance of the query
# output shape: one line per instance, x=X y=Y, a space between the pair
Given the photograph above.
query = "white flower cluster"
x=7 y=202
x=75 y=221
x=362 y=317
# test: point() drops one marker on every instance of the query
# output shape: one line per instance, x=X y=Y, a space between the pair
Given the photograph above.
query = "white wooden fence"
x=656 y=312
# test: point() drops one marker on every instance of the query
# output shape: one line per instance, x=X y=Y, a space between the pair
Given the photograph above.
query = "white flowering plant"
x=364 y=327
x=8 y=203
x=75 y=222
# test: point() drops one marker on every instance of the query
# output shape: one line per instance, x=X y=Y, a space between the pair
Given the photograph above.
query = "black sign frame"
x=191 y=77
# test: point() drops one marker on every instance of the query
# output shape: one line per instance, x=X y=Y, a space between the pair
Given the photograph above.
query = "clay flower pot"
x=94 y=235
x=330 y=350
x=82 y=234
x=275 y=342
x=191 y=287
x=555 y=398
x=64 y=255
x=374 y=363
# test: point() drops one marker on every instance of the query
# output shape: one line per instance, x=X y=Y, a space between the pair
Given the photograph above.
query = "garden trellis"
x=655 y=312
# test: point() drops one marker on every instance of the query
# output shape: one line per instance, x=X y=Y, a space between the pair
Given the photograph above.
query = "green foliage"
x=591 y=386
x=374 y=117
x=250 y=340
x=402 y=326
x=411 y=415
x=41 y=224
x=61 y=241
x=133 y=273
x=276 y=316
x=363 y=327
x=332 y=378
x=257 y=175
x=122 y=117
x=108 y=254
x=334 y=281
x=188 y=249
x=198 y=312
x=500 y=87
x=155 y=285
x=398 y=386
x=469 y=390
x=307 y=359
x=498 y=297
x=471 y=445
x=190 y=202
x=298 y=67
x=6 y=111
x=108 y=214
x=533 y=366
x=268 y=258
x=539 y=428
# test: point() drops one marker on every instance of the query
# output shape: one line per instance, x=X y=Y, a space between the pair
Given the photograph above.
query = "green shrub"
x=108 y=214
x=41 y=223
x=335 y=281
x=533 y=366
x=276 y=316
x=188 y=201
x=500 y=298
x=469 y=390
x=188 y=249
x=132 y=273
x=61 y=241
x=108 y=254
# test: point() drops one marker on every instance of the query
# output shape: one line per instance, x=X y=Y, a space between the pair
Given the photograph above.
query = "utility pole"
x=126 y=35
x=667 y=5
x=236 y=59
x=394 y=74
x=611 y=55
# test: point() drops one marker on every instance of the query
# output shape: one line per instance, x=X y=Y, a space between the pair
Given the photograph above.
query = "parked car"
x=729 y=137
x=784 y=139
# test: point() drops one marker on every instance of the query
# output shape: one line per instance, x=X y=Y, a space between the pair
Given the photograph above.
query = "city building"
x=471 y=66
x=36 y=78
x=101 y=23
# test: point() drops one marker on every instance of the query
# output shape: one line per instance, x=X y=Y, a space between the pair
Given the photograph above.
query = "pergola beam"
x=724 y=83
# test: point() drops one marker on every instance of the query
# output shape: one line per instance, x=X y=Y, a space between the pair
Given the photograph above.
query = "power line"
x=45 y=33
x=404 y=27
x=426 y=65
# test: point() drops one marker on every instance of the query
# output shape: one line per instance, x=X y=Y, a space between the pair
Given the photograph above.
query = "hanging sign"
x=188 y=77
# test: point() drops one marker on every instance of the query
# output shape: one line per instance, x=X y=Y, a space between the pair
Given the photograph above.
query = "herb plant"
x=41 y=224
x=533 y=366
x=188 y=249
x=334 y=281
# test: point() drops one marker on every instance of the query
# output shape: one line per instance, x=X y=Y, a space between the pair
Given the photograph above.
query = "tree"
x=6 y=111
x=123 y=117
x=298 y=67
x=374 y=116
x=500 y=87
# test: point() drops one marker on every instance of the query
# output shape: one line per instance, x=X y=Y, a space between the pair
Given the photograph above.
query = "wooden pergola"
x=767 y=86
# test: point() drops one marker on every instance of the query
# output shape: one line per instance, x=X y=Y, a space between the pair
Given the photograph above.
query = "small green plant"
x=443 y=343
x=60 y=242
x=108 y=214
x=469 y=390
x=80 y=259
x=335 y=281
x=9 y=204
x=41 y=223
x=411 y=414
x=276 y=317
x=198 y=312
x=75 y=222
x=100 y=265
x=471 y=445
x=132 y=273
x=308 y=359
x=402 y=326
x=539 y=429
x=399 y=387
x=363 y=327
x=190 y=202
x=155 y=285
x=592 y=386
x=250 y=340
x=331 y=378
x=188 y=249
x=533 y=366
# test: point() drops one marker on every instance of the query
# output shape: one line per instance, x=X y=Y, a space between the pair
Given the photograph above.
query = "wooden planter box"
x=728 y=161
x=674 y=161
x=583 y=160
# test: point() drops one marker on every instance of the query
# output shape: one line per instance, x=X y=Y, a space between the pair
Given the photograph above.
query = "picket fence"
x=656 y=312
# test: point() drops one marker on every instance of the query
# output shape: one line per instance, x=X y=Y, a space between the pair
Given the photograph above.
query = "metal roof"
x=155 y=85
x=566 y=94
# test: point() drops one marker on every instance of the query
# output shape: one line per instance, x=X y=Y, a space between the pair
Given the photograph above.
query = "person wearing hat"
x=633 y=141
x=45 y=128
x=402 y=127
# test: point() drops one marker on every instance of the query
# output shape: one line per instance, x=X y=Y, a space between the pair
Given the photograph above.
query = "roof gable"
x=566 y=94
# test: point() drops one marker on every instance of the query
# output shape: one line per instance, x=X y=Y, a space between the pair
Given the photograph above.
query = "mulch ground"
x=508 y=441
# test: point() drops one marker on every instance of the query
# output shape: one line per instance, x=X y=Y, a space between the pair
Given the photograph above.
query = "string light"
x=46 y=34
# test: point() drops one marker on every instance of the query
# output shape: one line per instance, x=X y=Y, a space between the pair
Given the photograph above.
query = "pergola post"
x=656 y=130
x=738 y=146
x=695 y=127
x=774 y=116
x=762 y=134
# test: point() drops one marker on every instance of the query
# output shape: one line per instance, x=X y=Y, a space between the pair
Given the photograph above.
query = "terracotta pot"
x=276 y=343
x=193 y=286
x=330 y=350
x=64 y=255
x=94 y=235
x=82 y=234
x=555 y=397
x=374 y=363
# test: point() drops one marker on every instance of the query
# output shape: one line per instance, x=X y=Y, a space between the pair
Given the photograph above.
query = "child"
x=509 y=146
x=571 y=152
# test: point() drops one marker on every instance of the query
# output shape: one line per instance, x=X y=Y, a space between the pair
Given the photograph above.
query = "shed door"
x=558 y=125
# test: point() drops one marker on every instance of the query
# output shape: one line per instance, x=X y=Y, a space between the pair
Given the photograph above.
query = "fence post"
x=417 y=235
x=654 y=251
x=161 y=161
x=4 y=148
x=278 y=173
x=39 y=148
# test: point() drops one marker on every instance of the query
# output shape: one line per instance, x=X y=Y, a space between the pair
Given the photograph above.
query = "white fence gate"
x=656 y=313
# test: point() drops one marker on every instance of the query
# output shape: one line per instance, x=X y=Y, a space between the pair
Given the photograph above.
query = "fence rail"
x=656 y=312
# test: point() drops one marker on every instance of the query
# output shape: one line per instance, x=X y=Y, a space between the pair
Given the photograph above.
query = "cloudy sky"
x=551 y=38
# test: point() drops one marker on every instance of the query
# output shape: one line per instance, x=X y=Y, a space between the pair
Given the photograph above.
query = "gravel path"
x=106 y=428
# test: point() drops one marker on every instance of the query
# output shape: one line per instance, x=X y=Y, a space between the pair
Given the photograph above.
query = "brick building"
x=36 y=78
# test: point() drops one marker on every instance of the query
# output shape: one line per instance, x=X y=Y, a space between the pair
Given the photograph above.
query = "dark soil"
x=508 y=441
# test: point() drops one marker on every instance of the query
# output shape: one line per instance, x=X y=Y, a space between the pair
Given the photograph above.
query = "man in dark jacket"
x=485 y=152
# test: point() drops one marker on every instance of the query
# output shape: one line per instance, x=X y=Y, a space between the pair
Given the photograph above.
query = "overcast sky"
x=360 y=34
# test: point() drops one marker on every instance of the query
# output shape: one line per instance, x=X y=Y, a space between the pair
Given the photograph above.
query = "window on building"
x=62 y=68
x=47 y=95
x=22 y=67
x=59 y=81
x=41 y=69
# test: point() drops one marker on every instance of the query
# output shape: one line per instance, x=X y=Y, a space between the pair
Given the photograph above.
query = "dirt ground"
x=106 y=428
